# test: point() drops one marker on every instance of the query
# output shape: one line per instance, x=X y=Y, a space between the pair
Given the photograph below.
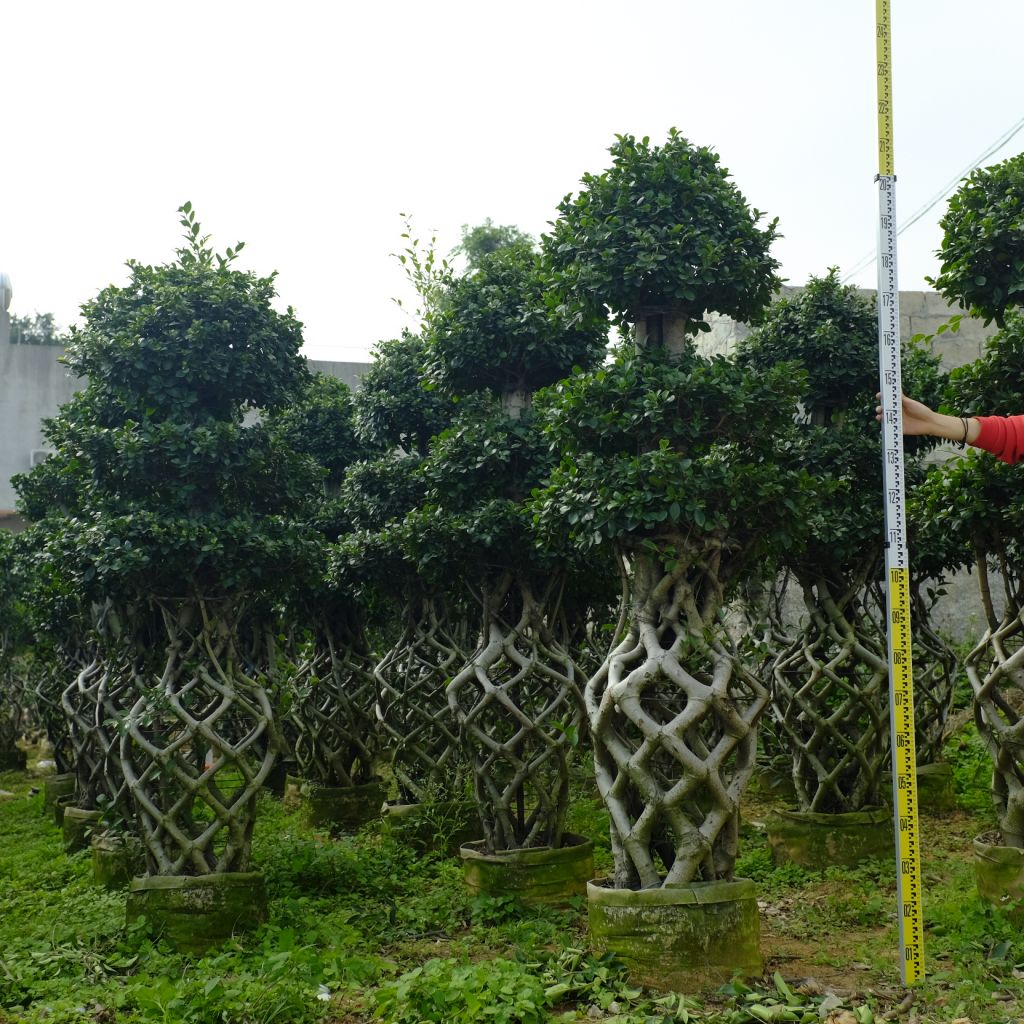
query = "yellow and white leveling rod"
x=897 y=563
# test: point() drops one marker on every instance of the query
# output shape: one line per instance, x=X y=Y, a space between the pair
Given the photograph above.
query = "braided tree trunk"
x=673 y=715
x=195 y=750
x=519 y=708
x=831 y=698
x=995 y=669
x=412 y=679
x=49 y=692
x=333 y=716
x=934 y=684
x=95 y=704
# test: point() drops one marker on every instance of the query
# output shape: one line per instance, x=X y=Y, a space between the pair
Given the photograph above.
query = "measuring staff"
x=910 y=915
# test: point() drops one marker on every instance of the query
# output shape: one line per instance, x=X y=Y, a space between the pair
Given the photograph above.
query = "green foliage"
x=831 y=333
x=654 y=447
x=425 y=269
x=507 y=327
x=480 y=241
x=449 y=992
x=982 y=252
x=188 y=341
x=37 y=329
x=321 y=423
x=664 y=228
x=972 y=771
x=396 y=405
x=157 y=486
x=976 y=502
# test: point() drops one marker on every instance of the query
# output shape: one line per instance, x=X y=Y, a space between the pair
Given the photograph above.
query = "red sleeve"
x=1003 y=436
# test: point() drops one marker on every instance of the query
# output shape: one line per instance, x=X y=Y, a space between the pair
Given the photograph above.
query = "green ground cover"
x=363 y=929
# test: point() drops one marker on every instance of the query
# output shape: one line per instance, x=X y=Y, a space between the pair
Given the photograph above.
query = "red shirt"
x=1003 y=436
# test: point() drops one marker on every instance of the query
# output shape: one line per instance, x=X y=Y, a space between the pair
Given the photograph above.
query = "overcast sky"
x=306 y=128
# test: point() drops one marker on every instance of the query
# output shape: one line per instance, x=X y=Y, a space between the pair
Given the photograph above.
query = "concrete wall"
x=920 y=313
x=34 y=385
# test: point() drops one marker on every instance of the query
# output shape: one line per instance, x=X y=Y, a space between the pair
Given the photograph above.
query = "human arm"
x=1003 y=436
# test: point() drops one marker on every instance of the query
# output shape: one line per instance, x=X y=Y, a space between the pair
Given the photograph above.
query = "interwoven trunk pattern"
x=198 y=746
x=673 y=717
x=519 y=708
x=934 y=685
x=995 y=668
x=831 y=699
x=415 y=717
x=332 y=714
x=49 y=693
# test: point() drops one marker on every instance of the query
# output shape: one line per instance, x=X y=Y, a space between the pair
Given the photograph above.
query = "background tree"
x=483 y=239
x=831 y=669
x=977 y=503
x=501 y=333
x=37 y=329
x=982 y=251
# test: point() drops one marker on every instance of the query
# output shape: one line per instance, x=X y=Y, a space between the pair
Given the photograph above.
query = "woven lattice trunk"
x=934 y=684
x=831 y=697
x=95 y=703
x=49 y=692
x=673 y=716
x=198 y=745
x=412 y=679
x=519 y=708
x=332 y=713
x=995 y=669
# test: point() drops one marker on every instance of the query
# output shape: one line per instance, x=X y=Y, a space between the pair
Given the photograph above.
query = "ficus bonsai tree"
x=831 y=666
x=977 y=502
x=669 y=460
x=12 y=637
x=982 y=251
x=423 y=623
x=502 y=332
x=331 y=688
x=165 y=503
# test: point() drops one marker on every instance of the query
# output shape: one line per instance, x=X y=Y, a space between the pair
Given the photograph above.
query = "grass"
x=362 y=929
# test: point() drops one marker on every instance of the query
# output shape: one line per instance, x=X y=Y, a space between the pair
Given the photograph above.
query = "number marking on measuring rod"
x=910 y=918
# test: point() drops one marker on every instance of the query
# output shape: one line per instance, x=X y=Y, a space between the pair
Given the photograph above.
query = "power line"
x=1003 y=139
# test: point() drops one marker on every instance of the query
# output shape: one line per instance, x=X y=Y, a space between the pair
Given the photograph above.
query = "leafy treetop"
x=483 y=239
x=674 y=455
x=156 y=486
x=831 y=332
x=664 y=228
x=508 y=328
x=982 y=252
x=396 y=406
x=191 y=340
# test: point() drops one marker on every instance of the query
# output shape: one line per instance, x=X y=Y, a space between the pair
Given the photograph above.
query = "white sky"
x=307 y=128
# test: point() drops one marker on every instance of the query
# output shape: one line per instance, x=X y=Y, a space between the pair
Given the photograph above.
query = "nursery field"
x=363 y=929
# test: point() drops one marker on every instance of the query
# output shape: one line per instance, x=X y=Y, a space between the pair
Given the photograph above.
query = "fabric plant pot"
x=817 y=841
x=682 y=938
x=56 y=786
x=534 y=875
x=77 y=825
x=999 y=874
x=345 y=808
x=195 y=912
x=116 y=860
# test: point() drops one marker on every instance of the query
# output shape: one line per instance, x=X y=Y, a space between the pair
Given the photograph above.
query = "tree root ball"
x=195 y=912
x=683 y=938
x=534 y=875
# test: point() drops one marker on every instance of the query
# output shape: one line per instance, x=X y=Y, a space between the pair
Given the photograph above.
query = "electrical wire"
x=1003 y=139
